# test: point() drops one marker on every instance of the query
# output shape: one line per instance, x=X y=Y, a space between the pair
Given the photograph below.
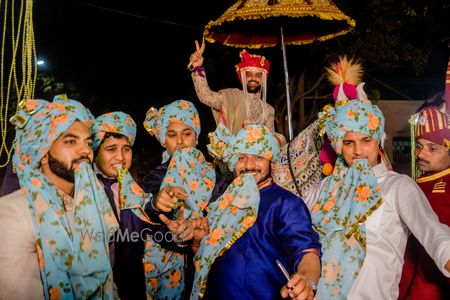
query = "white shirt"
x=405 y=209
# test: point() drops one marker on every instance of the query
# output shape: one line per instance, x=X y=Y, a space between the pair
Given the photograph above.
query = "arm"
x=19 y=265
x=302 y=284
x=416 y=212
x=204 y=93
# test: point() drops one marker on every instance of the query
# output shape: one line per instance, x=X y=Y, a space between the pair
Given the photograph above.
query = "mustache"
x=253 y=81
x=78 y=160
x=423 y=160
x=250 y=171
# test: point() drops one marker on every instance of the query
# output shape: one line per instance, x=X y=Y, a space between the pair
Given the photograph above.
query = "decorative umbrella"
x=267 y=23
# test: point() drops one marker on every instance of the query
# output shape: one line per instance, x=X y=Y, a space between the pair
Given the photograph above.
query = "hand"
x=196 y=59
x=298 y=288
x=201 y=229
x=182 y=229
x=168 y=197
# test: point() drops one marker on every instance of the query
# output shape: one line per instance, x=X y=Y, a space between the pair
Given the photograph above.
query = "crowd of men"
x=76 y=225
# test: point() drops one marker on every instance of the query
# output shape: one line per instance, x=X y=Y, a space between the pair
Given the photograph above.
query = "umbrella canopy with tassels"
x=267 y=23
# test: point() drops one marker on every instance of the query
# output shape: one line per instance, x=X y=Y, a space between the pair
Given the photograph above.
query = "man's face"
x=360 y=146
x=179 y=136
x=258 y=166
x=67 y=152
x=431 y=157
x=114 y=151
x=254 y=80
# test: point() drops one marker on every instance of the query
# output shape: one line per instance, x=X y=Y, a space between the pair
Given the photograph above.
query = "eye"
x=89 y=143
x=171 y=135
x=70 y=141
x=419 y=147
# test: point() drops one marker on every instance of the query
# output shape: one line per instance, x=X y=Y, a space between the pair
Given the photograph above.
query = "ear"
x=44 y=160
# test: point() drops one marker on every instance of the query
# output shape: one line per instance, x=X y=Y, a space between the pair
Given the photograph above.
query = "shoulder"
x=279 y=195
x=16 y=201
x=269 y=108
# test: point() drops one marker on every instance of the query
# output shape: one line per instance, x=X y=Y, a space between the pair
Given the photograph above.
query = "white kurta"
x=19 y=265
x=405 y=209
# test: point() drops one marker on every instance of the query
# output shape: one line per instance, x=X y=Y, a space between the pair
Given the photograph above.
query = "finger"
x=294 y=280
x=180 y=216
x=284 y=292
x=300 y=290
x=165 y=219
x=179 y=192
x=203 y=47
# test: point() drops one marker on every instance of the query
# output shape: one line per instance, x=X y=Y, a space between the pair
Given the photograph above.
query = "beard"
x=253 y=90
x=60 y=169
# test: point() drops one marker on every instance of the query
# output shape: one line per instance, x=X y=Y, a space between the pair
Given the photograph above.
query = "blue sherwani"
x=281 y=231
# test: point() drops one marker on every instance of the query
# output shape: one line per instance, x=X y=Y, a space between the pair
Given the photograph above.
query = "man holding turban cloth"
x=254 y=224
x=55 y=229
x=363 y=211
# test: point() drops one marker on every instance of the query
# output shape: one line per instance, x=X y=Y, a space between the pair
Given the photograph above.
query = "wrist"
x=199 y=70
x=312 y=284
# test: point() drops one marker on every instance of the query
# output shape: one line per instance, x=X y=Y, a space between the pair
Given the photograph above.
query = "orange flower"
x=202 y=205
x=40 y=256
x=363 y=192
x=58 y=213
x=330 y=203
x=226 y=201
x=326 y=220
x=175 y=121
x=193 y=185
x=196 y=120
x=214 y=236
x=209 y=183
x=197 y=265
x=192 y=164
x=169 y=180
x=248 y=221
x=350 y=114
x=268 y=155
x=184 y=105
x=55 y=294
x=316 y=208
x=175 y=278
x=136 y=189
x=233 y=209
x=253 y=135
x=374 y=122
x=35 y=182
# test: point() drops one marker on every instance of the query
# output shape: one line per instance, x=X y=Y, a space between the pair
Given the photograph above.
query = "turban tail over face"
x=113 y=122
x=71 y=264
x=253 y=139
x=177 y=112
x=350 y=194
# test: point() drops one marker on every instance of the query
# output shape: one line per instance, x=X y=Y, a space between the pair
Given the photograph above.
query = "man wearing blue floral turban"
x=55 y=229
x=254 y=224
x=363 y=211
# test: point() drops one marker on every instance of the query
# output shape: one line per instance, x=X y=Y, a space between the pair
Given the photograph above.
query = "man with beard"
x=235 y=107
x=252 y=225
x=55 y=229
x=421 y=278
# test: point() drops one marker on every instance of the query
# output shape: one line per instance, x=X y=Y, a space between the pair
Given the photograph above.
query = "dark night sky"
x=131 y=55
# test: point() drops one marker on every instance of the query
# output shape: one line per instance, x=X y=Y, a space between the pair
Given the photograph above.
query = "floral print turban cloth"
x=233 y=213
x=348 y=197
x=178 y=112
x=252 y=139
x=114 y=122
x=72 y=265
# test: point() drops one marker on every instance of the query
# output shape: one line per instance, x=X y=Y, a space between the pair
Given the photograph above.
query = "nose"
x=356 y=149
x=180 y=140
x=119 y=155
x=420 y=153
x=250 y=163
